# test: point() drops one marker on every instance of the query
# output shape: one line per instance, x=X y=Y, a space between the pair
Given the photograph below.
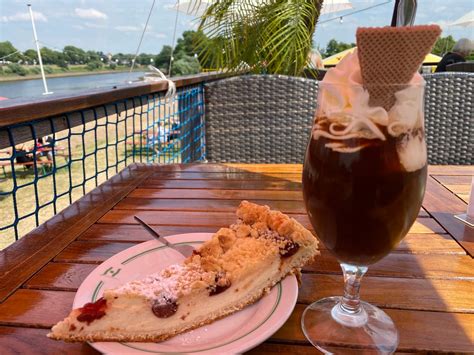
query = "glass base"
x=331 y=330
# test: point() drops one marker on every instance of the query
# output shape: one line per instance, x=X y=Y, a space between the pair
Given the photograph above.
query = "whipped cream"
x=344 y=104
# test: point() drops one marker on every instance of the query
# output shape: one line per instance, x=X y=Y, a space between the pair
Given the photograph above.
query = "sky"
x=115 y=25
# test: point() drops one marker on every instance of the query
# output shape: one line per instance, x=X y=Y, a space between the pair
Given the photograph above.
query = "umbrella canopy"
x=189 y=6
x=465 y=21
x=330 y=6
x=336 y=58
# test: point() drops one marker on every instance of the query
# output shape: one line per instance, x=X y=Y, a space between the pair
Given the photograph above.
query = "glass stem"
x=349 y=311
x=350 y=302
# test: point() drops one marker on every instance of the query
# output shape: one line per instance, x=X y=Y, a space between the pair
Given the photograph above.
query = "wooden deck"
x=426 y=285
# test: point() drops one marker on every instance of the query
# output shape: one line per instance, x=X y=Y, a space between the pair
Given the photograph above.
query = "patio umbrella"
x=336 y=58
x=465 y=21
x=191 y=8
x=330 y=6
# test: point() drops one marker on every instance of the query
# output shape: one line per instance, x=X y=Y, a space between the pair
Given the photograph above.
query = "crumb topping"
x=258 y=236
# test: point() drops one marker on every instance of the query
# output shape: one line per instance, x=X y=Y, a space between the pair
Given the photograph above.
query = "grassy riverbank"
x=53 y=71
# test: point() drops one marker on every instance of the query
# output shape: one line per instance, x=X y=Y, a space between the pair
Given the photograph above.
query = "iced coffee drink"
x=365 y=168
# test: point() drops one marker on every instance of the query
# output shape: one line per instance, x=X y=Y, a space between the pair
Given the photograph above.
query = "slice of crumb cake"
x=233 y=269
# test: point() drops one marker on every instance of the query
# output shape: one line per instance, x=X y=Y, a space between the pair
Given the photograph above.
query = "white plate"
x=236 y=333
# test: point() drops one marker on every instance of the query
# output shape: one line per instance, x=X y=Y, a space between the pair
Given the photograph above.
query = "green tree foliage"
x=443 y=45
x=185 y=65
x=50 y=56
x=122 y=59
x=192 y=43
x=162 y=60
x=30 y=56
x=94 y=65
x=74 y=55
x=334 y=47
x=145 y=59
x=6 y=48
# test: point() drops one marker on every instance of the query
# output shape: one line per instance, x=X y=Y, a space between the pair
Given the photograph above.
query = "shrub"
x=48 y=70
x=94 y=65
x=62 y=64
x=17 y=69
x=112 y=66
x=35 y=70
x=185 y=65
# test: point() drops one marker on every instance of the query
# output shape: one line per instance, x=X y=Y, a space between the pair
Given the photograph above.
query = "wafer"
x=390 y=56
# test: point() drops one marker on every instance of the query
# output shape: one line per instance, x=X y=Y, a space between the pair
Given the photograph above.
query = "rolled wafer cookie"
x=390 y=56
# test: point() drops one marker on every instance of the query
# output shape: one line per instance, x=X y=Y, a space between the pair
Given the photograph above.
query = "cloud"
x=90 y=13
x=24 y=16
x=127 y=28
x=441 y=23
x=132 y=28
x=158 y=35
x=78 y=27
x=94 y=25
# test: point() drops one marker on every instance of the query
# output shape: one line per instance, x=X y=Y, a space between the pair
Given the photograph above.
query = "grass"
x=104 y=155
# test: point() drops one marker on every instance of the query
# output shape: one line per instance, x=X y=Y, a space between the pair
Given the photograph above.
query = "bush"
x=62 y=64
x=113 y=66
x=35 y=70
x=17 y=69
x=185 y=65
x=94 y=65
x=48 y=70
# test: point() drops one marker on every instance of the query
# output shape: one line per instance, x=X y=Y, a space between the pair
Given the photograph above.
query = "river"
x=62 y=85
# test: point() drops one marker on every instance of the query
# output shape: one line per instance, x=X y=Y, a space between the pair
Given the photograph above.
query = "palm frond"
x=264 y=35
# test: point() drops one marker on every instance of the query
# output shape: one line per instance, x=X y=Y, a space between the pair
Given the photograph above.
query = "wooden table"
x=426 y=285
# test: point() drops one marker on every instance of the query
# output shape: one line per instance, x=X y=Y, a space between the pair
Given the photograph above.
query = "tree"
x=185 y=65
x=92 y=56
x=74 y=55
x=122 y=59
x=30 y=56
x=192 y=44
x=94 y=65
x=162 y=60
x=145 y=59
x=334 y=47
x=50 y=56
x=274 y=36
x=443 y=45
x=7 y=49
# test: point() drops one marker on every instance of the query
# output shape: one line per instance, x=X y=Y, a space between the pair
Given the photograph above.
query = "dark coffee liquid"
x=361 y=204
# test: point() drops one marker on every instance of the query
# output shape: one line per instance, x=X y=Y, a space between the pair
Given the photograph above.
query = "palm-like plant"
x=273 y=36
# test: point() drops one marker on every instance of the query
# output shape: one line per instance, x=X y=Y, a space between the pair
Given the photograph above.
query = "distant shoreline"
x=60 y=75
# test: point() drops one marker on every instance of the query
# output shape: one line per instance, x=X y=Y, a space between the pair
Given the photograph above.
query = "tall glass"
x=364 y=179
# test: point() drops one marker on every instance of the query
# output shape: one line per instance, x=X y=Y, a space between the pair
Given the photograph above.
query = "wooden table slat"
x=419 y=330
x=425 y=284
x=219 y=219
x=194 y=204
x=443 y=205
x=415 y=243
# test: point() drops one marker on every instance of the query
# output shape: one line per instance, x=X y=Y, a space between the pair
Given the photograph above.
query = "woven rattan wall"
x=267 y=118
x=259 y=118
x=449 y=118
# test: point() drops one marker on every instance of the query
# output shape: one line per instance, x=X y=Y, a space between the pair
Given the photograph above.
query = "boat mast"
x=45 y=85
